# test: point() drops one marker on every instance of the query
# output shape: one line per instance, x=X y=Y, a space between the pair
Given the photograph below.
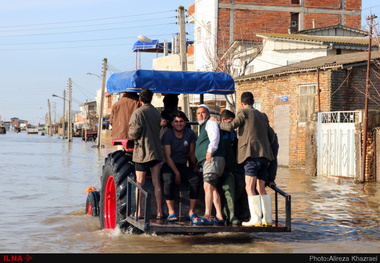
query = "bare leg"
x=208 y=200
x=193 y=203
x=250 y=185
x=217 y=204
x=261 y=187
x=170 y=204
x=155 y=170
x=140 y=180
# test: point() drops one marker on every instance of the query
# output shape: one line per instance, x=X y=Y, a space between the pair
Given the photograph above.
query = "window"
x=257 y=104
x=208 y=30
x=294 y=22
x=306 y=101
x=295 y=2
x=199 y=35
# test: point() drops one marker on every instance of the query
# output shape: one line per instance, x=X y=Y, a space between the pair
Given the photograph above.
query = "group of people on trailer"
x=165 y=145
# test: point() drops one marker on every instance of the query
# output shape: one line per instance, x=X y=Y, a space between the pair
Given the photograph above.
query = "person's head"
x=227 y=116
x=170 y=101
x=131 y=95
x=146 y=95
x=247 y=99
x=203 y=112
x=179 y=121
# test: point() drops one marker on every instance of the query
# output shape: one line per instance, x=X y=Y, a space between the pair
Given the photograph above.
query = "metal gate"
x=336 y=143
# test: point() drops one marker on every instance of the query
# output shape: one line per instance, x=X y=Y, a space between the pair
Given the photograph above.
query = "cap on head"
x=204 y=106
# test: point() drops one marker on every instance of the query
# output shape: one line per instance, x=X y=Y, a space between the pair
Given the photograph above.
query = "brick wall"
x=248 y=22
x=341 y=90
x=323 y=3
x=271 y=90
x=321 y=20
x=350 y=95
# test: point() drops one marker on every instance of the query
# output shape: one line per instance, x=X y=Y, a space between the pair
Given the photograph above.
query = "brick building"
x=289 y=96
x=218 y=23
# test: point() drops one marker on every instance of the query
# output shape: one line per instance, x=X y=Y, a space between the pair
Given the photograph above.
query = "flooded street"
x=43 y=182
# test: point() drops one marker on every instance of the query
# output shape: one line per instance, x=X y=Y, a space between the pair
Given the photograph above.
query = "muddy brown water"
x=43 y=183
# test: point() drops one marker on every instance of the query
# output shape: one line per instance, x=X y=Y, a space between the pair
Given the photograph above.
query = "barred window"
x=306 y=101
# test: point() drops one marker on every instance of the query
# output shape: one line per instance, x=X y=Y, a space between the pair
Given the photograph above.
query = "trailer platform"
x=148 y=225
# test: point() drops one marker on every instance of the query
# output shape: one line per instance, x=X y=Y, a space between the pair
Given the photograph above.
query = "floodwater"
x=43 y=183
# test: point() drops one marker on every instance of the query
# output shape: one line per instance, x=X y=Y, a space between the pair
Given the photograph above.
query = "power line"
x=87 y=20
x=103 y=24
x=84 y=31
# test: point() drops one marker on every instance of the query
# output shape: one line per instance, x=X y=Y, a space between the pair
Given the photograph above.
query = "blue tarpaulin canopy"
x=174 y=82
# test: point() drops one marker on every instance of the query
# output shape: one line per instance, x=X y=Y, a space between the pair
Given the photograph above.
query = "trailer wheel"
x=118 y=166
x=92 y=203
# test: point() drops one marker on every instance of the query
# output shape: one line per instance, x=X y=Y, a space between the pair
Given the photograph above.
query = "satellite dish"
x=144 y=39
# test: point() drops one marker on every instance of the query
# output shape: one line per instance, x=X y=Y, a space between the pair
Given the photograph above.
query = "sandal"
x=216 y=221
x=201 y=221
x=172 y=217
x=192 y=217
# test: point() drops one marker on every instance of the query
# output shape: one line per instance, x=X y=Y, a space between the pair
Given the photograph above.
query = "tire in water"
x=92 y=203
x=117 y=167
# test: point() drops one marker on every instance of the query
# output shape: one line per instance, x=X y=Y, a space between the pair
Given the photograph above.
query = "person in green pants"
x=232 y=180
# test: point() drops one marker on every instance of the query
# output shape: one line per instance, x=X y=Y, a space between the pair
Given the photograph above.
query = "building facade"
x=290 y=95
x=218 y=23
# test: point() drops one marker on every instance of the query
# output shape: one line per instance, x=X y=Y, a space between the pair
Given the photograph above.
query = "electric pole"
x=183 y=54
x=49 y=119
x=70 y=120
x=100 y=122
x=64 y=116
x=365 y=121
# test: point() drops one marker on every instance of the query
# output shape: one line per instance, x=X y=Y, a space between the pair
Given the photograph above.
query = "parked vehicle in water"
x=90 y=136
x=2 y=128
x=115 y=203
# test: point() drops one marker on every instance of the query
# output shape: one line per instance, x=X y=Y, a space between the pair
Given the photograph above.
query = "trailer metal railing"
x=145 y=224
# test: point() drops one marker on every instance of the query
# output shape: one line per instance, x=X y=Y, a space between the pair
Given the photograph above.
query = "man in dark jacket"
x=255 y=153
x=144 y=130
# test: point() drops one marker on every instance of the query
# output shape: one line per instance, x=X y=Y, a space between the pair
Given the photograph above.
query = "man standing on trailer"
x=209 y=152
x=144 y=129
x=255 y=153
x=121 y=114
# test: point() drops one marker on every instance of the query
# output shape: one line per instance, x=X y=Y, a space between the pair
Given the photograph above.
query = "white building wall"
x=277 y=54
x=205 y=34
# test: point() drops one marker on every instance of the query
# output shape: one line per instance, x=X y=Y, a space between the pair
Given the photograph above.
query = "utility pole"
x=183 y=54
x=55 y=113
x=86 y=121
x=64 y=116
x=100 y=122
x=49 y=119
x=365 y=121
x=70 y=132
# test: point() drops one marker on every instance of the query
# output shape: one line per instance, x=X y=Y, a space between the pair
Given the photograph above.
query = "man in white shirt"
x=209 y=152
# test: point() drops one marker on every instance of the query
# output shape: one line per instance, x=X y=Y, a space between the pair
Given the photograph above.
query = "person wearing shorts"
x=254 y=152
x=144 y=130
x=209 y=152
x=179 y=146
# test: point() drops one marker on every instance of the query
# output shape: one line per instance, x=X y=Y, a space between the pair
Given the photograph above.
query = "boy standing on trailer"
x=144 y=129
x=254 y=152
x=232 y=180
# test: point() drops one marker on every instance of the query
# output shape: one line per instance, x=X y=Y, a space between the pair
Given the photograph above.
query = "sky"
x=43 y=43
